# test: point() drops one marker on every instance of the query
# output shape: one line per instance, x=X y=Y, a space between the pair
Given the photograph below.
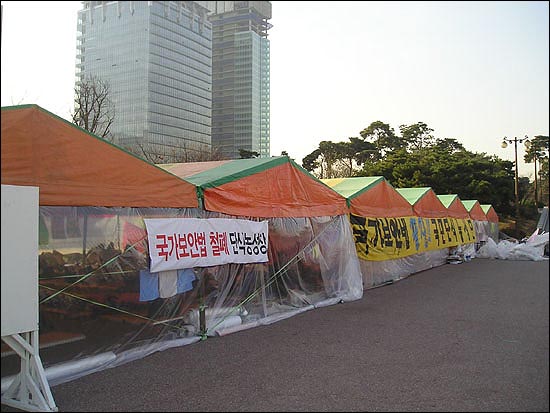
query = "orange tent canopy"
x=75 y=168
x=273 y=187
x=424 y=201
x=474 y=209
x=490 y=212
x=454 y=206
x=371 y=196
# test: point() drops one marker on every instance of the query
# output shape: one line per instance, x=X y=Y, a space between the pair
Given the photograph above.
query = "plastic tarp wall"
x=480 y=220
x=374 y=197
x=100 y=307
x=456 y=209
x=491 y=225
x=99 y=304
x=377 y=273
x=270 y=188
x=385 y=227
x=427 y=206
x=72 y=169
x=543 y=222
x=279 y=189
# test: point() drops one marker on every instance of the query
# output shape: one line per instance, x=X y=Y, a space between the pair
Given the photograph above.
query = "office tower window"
x=156 y=57
x=240 y=76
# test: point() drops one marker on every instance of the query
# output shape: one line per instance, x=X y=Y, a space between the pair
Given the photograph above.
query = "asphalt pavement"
x=468 y=337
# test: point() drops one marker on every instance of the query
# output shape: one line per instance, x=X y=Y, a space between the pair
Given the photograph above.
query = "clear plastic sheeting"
x=490 y=230
x=97 y=297
x=483 y=232
x=377 y=273
x=461 y=253
x=542 y=224
x=531 y=250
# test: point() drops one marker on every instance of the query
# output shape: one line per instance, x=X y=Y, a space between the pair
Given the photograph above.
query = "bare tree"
x=94 y=110
x=185 y=153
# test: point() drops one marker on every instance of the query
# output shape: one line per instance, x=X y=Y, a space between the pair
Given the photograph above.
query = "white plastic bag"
x=532 y=250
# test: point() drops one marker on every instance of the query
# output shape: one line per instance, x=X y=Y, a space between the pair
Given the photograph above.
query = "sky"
x=472 y=71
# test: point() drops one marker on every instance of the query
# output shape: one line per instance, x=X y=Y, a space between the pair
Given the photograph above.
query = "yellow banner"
x=379 y=239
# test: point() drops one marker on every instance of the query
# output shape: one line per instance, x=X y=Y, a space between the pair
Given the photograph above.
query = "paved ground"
x=469 y=337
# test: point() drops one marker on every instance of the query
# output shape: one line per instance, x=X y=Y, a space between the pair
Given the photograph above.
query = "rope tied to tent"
x=86 y=276
x=203 y=333
x=106 y=306
x=297 y=258
x=59 y=277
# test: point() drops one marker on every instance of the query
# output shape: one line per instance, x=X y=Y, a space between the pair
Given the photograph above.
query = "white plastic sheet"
x=377 y=273
x=532 y=250
x=90 y=285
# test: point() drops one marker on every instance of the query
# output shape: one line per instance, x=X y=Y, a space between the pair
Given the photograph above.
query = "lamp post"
x=505 y=142
x=536 y=186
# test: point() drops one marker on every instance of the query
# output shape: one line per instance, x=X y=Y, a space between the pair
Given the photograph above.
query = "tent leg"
x=202 y=307
x=264 y=292
x=29 y=390
x=84 y=236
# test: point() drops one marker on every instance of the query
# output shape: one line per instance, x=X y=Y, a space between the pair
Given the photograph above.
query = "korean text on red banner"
x=176 y=243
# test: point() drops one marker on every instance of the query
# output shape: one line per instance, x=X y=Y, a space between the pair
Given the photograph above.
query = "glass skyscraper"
x=156 y=57
x=240 y=77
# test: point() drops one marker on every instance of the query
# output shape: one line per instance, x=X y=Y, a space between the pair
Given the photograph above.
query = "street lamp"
x=505 y=142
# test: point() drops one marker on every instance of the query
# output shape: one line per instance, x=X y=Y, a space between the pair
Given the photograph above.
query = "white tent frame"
x=29 y=390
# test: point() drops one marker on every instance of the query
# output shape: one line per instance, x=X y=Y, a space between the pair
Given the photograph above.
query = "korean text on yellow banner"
x=379 y=239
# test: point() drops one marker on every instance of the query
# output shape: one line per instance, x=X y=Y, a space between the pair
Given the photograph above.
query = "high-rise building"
x=240 y=76
x=156 y=57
